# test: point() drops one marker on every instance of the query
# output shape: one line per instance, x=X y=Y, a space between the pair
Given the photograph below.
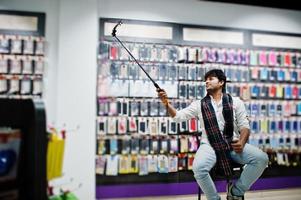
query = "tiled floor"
x=289 y=194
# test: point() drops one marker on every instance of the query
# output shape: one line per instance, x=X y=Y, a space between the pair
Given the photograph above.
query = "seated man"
x=225 y=134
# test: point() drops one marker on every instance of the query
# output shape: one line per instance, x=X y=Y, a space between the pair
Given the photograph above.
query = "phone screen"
x=142 y=127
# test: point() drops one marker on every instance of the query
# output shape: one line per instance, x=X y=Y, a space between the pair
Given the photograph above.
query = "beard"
x=211 y=90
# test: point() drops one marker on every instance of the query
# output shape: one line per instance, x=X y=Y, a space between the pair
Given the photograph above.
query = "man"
x=225 y=132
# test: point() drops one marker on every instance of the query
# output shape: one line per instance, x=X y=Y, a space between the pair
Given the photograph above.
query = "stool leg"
x=199 y=193
x=229 y=182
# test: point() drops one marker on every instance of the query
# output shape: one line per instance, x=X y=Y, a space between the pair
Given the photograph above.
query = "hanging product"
x=55 y=153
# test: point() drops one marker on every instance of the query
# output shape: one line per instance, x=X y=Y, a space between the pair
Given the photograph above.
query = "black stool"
x=236 y=171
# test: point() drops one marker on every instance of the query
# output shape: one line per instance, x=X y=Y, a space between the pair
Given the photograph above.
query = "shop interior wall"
x=70 y=78
x=76 y=91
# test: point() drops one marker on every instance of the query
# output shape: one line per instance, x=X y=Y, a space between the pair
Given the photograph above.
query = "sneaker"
x=230 y=195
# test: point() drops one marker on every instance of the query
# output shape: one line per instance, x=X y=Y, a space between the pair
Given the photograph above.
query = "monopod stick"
x=114 y=35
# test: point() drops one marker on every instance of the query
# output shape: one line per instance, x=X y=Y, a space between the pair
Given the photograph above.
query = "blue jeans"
x=205 y=158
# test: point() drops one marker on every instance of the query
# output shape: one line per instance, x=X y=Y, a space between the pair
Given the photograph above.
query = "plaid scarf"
x=219 y=142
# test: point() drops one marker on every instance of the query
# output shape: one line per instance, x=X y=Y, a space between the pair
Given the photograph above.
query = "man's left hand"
x=237 y=146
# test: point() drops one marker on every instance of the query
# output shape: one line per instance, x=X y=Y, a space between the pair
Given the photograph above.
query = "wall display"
x=23 y=137
x=138 y=142
x=22 y=58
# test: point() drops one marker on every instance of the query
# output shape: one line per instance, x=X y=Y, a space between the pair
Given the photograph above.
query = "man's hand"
x=163 y=96
x=237 y=146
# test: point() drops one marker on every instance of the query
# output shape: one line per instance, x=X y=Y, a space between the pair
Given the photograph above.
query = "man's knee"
x=199 y=170
x=263 y=158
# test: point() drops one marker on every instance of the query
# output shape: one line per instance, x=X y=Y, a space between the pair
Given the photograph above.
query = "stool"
x=236 y=171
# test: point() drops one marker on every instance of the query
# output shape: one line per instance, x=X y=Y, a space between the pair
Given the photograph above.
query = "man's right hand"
x=163 y=96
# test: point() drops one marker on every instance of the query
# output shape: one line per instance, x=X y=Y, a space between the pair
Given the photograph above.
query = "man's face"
x=213 y=84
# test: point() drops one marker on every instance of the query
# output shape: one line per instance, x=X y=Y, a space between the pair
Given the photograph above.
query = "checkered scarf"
x=219 y=142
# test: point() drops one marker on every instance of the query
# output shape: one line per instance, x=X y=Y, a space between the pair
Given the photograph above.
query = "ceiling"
x=291 y=5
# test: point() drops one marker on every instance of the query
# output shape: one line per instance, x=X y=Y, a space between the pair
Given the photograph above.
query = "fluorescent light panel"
x=269 y=40
x=140 y=31
x=22 y=23
x=213 y=36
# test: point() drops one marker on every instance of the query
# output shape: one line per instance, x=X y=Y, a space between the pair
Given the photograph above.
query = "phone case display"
x=22 y=64
x=135 y=136
x=275 y=104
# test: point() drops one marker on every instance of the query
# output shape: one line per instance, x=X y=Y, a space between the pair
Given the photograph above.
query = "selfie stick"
x=114 y=35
